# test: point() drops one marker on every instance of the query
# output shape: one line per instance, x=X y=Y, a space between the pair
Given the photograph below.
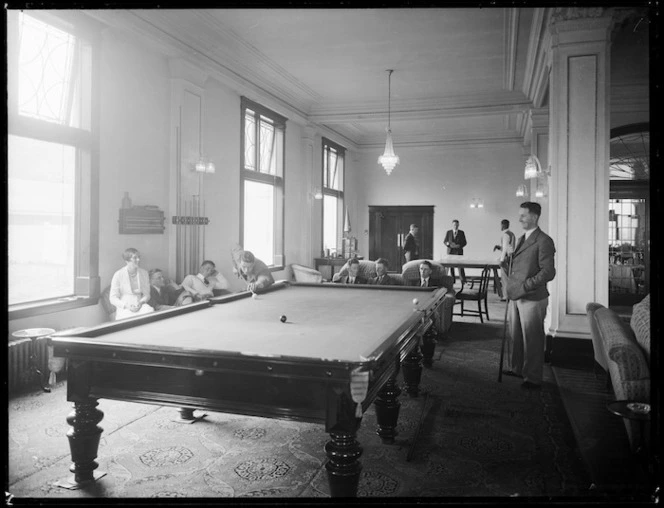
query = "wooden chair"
x=479 y=295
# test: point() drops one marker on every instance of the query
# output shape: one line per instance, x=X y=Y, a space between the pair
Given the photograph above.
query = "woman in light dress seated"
x=130 y=287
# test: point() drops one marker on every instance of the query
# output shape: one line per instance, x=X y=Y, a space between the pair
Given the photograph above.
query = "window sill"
x=49 y=306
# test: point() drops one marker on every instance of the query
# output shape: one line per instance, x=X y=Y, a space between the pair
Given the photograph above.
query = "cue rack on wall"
x=189 y=221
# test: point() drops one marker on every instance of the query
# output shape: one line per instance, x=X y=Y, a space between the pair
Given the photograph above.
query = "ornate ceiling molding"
x=511 y=38
x=469 y=105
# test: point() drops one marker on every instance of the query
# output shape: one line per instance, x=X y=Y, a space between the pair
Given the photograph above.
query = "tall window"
x=629 y=216
x=333 y=194
x=262 y=183
x=52 y=251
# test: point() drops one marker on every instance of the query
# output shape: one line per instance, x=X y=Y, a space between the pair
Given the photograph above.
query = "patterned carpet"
x=478 y=438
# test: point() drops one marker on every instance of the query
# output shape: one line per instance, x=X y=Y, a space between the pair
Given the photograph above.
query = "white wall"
x=134 y=148
x=447 y=178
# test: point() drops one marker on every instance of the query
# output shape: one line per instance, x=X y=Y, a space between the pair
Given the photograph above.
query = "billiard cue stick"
x=502 y=346
x=178 y=239
x=203 y=227
x=193 y=234
x=411 y=450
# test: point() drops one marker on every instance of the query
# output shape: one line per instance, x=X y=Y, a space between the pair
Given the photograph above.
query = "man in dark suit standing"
x=411 y=246
x=382 y=278
x=455 y=239
x=532 y=267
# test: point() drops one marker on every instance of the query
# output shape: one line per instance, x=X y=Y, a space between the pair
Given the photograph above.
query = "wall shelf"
x=141 y=220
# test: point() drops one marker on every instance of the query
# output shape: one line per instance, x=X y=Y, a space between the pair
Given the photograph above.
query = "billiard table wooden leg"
x=84 y=437
x=187 y=416
x=387 y=410
x=412 y=371
x=428 y=347
x=343 y=467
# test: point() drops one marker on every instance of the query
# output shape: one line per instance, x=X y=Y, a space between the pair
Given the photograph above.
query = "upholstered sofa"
x=303 y=273
x=623 y=350
x=411 y=272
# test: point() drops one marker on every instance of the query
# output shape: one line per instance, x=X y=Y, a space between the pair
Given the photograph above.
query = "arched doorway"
x=629 y=214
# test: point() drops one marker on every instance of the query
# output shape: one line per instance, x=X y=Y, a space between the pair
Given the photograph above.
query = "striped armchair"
x=627 y=356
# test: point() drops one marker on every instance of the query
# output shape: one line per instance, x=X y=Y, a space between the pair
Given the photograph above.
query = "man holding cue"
x=532 y=267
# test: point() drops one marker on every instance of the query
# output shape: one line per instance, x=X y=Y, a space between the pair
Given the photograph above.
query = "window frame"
x=328 y=191
x=86 y=144
x=278 y=182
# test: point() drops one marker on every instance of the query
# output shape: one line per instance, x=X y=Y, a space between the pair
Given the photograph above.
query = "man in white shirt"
x=202 y=285
x=506 y=248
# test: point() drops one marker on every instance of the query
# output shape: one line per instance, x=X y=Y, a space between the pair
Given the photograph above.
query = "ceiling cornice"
x=469 y=143
x=415 y=140
x=536 y=77
x=413 y=109
x=511 y=38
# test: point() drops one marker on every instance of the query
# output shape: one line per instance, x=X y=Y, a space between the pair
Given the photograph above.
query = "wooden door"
x=388 y=227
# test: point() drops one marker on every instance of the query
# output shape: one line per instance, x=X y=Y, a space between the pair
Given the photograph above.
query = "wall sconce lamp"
x=317 y=193
x=533 y=168
x=540 y=191
x=521 y=191
x=204 y=165
x=477 y=203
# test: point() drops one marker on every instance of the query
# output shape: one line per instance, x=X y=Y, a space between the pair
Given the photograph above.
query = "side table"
x=637 y=411
x=33 y=334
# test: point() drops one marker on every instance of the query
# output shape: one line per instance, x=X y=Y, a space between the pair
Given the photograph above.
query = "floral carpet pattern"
x=478 y=438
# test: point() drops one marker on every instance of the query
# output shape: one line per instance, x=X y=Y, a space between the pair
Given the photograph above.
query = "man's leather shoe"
x=511 y=373
x=527 y=385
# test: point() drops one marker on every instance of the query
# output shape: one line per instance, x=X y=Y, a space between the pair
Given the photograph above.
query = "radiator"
x=19 y=374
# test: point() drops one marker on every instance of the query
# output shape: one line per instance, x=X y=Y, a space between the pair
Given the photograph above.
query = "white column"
x=579 y=151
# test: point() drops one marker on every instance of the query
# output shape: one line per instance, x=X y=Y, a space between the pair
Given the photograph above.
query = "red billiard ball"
x=283 y=318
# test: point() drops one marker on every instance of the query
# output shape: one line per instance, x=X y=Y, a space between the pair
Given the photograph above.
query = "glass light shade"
x=209 y=167
x=533 y=168
x=318 y=194
x=521 y=191
x=200 y=165
x=480 y=204
x=389 y=159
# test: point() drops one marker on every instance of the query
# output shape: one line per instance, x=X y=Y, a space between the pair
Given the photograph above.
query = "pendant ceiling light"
x=389 y=159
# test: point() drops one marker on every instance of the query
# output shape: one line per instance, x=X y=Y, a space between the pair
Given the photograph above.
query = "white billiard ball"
x=415 y=301
x=254 y=296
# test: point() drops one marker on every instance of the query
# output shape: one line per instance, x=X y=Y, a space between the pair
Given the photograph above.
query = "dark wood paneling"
x=388 y=226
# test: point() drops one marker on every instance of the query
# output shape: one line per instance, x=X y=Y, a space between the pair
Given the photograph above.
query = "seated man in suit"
x=382 y=278
x=426 y=279
x=254 y=272
x=352 y=277
x=204 y=284
x=163 y=295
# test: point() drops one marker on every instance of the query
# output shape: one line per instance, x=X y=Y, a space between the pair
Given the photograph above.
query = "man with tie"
x=532 y=267
x=427 y=280
x=352 y=277
x=382 y=278
x=165 y=296
x=455 y=239
x=203 y=284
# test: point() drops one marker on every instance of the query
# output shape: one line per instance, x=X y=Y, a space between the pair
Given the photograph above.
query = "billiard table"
x=339 y=349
